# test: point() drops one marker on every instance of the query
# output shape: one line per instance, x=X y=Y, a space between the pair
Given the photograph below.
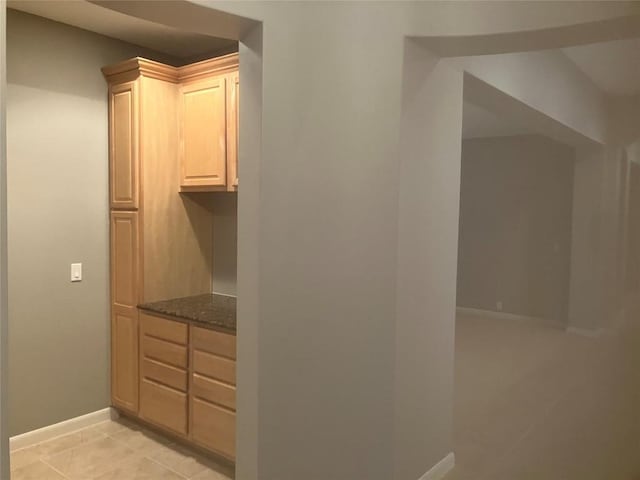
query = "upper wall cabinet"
x=233 y=109
x=208 y=118
x=203 y=142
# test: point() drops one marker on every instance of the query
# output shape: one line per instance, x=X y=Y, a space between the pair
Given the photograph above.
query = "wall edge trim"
x=440 y=469
x=507 y=316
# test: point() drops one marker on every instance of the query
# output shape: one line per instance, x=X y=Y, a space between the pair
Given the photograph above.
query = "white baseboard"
x=505 y=316
x=586 y=332
x=40 y=435
x=440 y=469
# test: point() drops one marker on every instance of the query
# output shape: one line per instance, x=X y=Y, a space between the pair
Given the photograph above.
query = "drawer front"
x=213 y=391
x=164 y=329
x=214 y=366
x=210 y=341
x=214 y=428
x=164 y=374
x=166 y=352
x=163 y=406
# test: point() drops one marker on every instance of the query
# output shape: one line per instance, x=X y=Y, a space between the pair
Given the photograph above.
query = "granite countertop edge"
x=212 y=311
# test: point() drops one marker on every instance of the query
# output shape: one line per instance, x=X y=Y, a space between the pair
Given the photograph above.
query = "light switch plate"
x=76 y=272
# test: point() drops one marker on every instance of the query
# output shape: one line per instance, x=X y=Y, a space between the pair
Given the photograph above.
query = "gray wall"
x=225 y=242
x=515 y=226
x=57 y=214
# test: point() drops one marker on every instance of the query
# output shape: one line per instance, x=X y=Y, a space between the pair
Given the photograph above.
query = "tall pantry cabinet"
x=160 y=245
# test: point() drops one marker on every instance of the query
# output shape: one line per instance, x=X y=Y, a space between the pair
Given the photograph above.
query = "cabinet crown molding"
x=205 y=68
x=139 y=66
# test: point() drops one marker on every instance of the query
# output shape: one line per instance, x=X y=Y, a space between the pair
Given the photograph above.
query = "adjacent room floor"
x=113 y=450
x=535 y=403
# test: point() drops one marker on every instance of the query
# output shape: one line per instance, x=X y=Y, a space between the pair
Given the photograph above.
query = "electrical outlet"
x=499 y=305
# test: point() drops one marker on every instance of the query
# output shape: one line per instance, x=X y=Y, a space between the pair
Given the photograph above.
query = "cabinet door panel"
x=164 y=374
x=124 y=358
x=213 y=391
x=164 y=329
x=124 y=259
x=165 y=352
x=203 y=151
x=213 y=427
x=123 y=146
x=214 y=366
x=163 y=406
x=233 y=110
x=211 y=341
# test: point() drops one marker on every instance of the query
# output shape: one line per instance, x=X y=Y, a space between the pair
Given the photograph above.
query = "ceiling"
x=95 y=18
x=478 y=122
x=613 y=66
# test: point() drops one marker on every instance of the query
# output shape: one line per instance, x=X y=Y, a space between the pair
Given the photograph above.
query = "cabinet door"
x=203 y=143
x=213 y=427
x=124 y=312
x=123 y=146
x=233 y=109
x=124 y=358
x=164 y=406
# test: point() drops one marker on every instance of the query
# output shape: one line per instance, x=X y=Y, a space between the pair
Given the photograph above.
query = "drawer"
x=163 y=406
x=166 y=352
x=213 y=391
x=165 y=374
x=214 y=366
x=214 y=428
x=164 y=329
x=211 y=341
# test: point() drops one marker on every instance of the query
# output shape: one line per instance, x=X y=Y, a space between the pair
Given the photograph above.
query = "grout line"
x=168 y=468
x=54 y=469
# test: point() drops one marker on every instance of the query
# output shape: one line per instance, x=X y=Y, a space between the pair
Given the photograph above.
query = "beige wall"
x=57 y=214
x=515 y=225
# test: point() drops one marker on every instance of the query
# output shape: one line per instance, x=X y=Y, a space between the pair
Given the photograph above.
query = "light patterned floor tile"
x=140 y=469
x=65 y=442
x=24 y=456
x=110 y=427
x=182 y=460
x=36 y=471
x=92 y=459
x=142 y=441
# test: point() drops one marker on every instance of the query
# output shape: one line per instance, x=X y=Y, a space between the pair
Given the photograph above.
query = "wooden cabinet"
x=163 y=375
x=124 y=312
x=212 y=395
x=209 y=98
x=233 y=110
x=123 y=145
x=187 y=382
x=203 y=143
x=169 y=127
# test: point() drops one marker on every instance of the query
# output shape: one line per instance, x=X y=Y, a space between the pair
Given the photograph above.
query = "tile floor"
x=535 y=403
x=114 y=450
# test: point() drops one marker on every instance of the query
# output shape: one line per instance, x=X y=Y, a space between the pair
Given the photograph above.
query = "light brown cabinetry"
x=123 y=145
x=160 y=245
x=163 y=379
x=209 y=96
x=187 y=382
x=203 y=128
x=233 y=111
x=212 y=397
x=124 y=312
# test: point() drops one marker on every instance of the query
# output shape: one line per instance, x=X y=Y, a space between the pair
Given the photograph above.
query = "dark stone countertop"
x=206 y=310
